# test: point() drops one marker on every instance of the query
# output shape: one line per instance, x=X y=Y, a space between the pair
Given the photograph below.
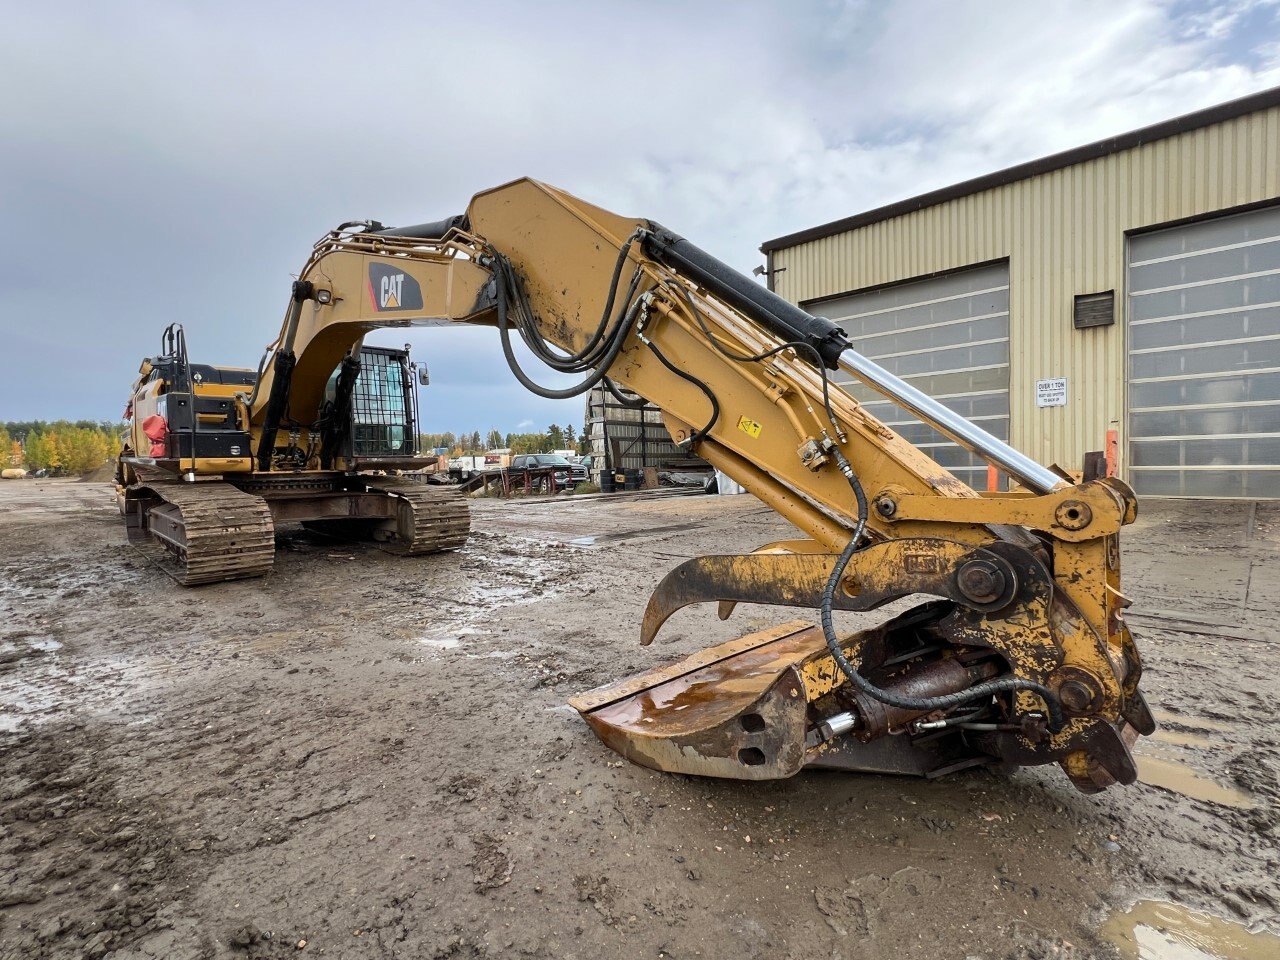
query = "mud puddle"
x=1156 y=930
x=29 y=671
x=504 y=583
x=1161 y=761
x=1177 y=777
x=1179 y=738
x=597 y=539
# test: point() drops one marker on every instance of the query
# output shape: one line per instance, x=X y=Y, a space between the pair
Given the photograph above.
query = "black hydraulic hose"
x=612 y=387
x=589 y=357
x=597 y=343
x=615 y=346
x=946 y=701
x=715 y=404
x=798 y=345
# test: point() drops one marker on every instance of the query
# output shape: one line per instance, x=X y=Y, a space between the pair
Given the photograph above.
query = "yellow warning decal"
x=749 y=427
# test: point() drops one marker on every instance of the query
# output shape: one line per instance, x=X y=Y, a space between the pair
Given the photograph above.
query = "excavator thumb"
x=768 y=704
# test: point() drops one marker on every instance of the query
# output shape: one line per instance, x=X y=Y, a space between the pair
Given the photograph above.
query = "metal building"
x=627 y=437
x=1142 y=270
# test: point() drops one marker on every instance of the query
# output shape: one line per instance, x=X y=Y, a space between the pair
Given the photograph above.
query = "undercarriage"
x=206 y=531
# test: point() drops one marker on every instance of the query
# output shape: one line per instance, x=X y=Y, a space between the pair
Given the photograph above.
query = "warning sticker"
x=749 y=427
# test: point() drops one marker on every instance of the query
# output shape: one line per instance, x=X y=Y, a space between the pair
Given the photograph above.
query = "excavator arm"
x=1021 y=656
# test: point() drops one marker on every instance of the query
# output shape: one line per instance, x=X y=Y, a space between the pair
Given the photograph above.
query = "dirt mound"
x=103 y=474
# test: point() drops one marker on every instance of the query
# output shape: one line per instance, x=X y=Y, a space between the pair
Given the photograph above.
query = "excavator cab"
x=379 y=418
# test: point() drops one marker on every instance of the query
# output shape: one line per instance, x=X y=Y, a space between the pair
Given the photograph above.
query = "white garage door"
x=1204 y=358
x=947 y=336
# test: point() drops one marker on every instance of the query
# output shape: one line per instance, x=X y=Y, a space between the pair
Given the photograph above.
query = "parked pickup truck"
x=544 y=467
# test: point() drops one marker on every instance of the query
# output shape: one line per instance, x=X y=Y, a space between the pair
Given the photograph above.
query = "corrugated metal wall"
x=638 y=435
x=1064 y=234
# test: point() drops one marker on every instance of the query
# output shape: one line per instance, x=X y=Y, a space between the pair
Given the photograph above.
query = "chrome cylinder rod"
x=968 y=435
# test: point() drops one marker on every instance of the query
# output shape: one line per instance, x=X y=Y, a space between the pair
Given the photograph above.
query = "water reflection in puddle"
x=30 y=686
x=1154 y=930
x=1181 y=739
x=1179 y=778
x=441 y=643
x=449 y=638
x=1160 y=763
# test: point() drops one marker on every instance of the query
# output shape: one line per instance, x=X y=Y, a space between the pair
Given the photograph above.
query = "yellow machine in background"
x=1020 y=656
x=190 y=489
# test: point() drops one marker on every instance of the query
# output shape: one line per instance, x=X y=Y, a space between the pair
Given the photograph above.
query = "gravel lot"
x=370 y=756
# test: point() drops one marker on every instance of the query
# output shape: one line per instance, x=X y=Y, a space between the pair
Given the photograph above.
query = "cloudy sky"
x=175 y=161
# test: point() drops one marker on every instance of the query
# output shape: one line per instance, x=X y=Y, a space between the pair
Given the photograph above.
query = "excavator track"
x=430 y=519
x=203 y=532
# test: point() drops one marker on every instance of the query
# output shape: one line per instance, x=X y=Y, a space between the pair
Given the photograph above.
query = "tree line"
x=555 y=437
x=63 y=448
x=70 y=448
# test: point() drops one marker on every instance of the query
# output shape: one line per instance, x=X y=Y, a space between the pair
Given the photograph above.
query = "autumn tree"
x=61 y=448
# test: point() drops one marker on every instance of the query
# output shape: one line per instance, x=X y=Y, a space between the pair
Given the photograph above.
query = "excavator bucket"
x=744 y=710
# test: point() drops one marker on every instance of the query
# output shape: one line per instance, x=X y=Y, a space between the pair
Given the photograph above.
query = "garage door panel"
x=941 y=361
x=1207 y=452
x=943 y=311
x=948 y=337
x=971 y=293
x=946 y=387
x=1226 y=484
x=1206 y=422
x=1228 y=294
x=1206 y=235
x=921 y=434
x=1231 y=325
x=1226 y=389
x=1246 y=355
x=953 y=457
x=979 y=409
x=938 y=337
x=1204 y=358
x=1213 y=265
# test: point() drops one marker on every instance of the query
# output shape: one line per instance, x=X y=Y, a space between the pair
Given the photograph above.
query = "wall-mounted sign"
x=1051 y=393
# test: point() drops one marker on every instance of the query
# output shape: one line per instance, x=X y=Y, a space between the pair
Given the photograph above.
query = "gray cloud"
x=164 y=163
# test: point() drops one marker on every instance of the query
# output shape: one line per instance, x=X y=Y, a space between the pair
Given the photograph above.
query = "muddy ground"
x=366 y=756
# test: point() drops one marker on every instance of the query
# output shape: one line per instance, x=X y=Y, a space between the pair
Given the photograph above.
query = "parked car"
x=544 y=466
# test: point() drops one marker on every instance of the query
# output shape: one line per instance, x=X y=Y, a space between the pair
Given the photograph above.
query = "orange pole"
x=993 y=478
x=1113 y=452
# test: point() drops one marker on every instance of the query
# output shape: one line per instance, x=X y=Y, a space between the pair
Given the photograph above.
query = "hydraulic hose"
x=612 y=387
x=597 y=344
x=690 y=378
x=800 y=346
x=944 y=702
x=617 y=338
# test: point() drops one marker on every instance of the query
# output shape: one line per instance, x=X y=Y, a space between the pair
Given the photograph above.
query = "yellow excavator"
x=1015 y=651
